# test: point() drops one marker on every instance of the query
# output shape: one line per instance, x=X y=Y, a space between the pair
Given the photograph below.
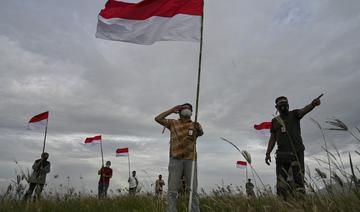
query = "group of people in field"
x=285 y=132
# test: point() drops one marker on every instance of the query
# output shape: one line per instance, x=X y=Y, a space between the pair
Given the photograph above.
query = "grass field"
x=218 y=201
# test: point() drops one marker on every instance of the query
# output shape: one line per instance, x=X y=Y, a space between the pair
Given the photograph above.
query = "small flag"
x=149 y=21
x=39 y=121
x=93 y=140
x=122 y=152
x=263 y=126
x=241 y=164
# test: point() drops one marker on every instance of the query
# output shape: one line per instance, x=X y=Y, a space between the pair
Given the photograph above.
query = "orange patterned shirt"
x=183 y=138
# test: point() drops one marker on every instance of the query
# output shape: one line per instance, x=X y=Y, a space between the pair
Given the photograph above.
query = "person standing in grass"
x=159 y=183
x=37 y=180
x=104 y=181
x=183 y=135
x=286 y=133
x=250 y=189
x=133 y=183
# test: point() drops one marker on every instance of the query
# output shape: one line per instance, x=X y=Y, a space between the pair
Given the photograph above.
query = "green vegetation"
x=347 y=201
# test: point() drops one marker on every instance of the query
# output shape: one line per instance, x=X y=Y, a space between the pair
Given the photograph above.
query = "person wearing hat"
x=183 y=135
x=104 y=181
x=37 y=180
x=286 y=133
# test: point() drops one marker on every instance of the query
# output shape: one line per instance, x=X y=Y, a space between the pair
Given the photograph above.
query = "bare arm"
x=316 y=102
x=271 y=145
x=161 y=118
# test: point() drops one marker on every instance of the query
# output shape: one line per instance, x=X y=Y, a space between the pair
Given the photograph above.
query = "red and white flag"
x=263 y=126
x=150 y=20
x=241 y=164
x=122 y=152
x=93 y=140
x=39 y=121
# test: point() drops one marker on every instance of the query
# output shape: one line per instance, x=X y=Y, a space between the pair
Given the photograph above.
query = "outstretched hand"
x=317 y=102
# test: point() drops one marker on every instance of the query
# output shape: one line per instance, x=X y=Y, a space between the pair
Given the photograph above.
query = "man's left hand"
x=316 y=102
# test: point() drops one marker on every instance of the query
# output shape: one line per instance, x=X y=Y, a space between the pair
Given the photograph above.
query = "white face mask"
x=186 y=113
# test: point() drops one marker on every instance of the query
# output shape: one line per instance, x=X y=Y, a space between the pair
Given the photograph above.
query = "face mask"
x=283 y=108
x=186 y=113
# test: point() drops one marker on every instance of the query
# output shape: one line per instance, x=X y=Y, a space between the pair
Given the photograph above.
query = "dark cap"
x=281 y=99
x=188 y=104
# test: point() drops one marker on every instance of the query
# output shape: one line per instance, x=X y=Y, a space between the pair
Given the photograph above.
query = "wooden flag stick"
x=102 y=154
x=47 y=121
x=197 y=107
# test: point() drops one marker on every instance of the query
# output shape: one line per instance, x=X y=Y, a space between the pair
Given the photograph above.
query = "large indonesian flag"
x=150 y=20
x=122 y=152
x=93 y=140
x=39 y=121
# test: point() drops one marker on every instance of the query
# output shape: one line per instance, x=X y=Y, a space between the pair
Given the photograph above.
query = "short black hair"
x=188 y=104
x=279 y=98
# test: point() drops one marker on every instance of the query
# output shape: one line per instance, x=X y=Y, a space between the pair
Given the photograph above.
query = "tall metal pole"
x=197 y=106
x=43 y=149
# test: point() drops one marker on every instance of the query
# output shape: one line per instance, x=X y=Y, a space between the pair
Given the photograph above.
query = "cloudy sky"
x=253 y=52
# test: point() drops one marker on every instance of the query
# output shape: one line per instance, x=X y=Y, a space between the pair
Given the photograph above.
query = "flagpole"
x=197 y=105
x=129 y=163
x=246 y=174
x=102 y=154
x=43 y=149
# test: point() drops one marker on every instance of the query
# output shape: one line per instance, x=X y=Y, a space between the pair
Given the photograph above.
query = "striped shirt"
x=182 y=138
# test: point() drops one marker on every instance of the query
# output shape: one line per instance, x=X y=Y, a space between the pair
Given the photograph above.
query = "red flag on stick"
x=39 y=121
x=92 y=140
x=263 y=126
x=121 y=152
x=241 y=164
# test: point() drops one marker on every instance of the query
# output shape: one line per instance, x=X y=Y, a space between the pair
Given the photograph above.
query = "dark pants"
x=132 y=191
x=102 y=190
x=290 y=174
x=38 y=190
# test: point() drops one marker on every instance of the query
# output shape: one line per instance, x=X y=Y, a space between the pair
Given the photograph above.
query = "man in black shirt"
x=285 y=131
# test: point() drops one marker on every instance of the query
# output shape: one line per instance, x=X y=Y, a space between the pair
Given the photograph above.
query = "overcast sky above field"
x=253 y=52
